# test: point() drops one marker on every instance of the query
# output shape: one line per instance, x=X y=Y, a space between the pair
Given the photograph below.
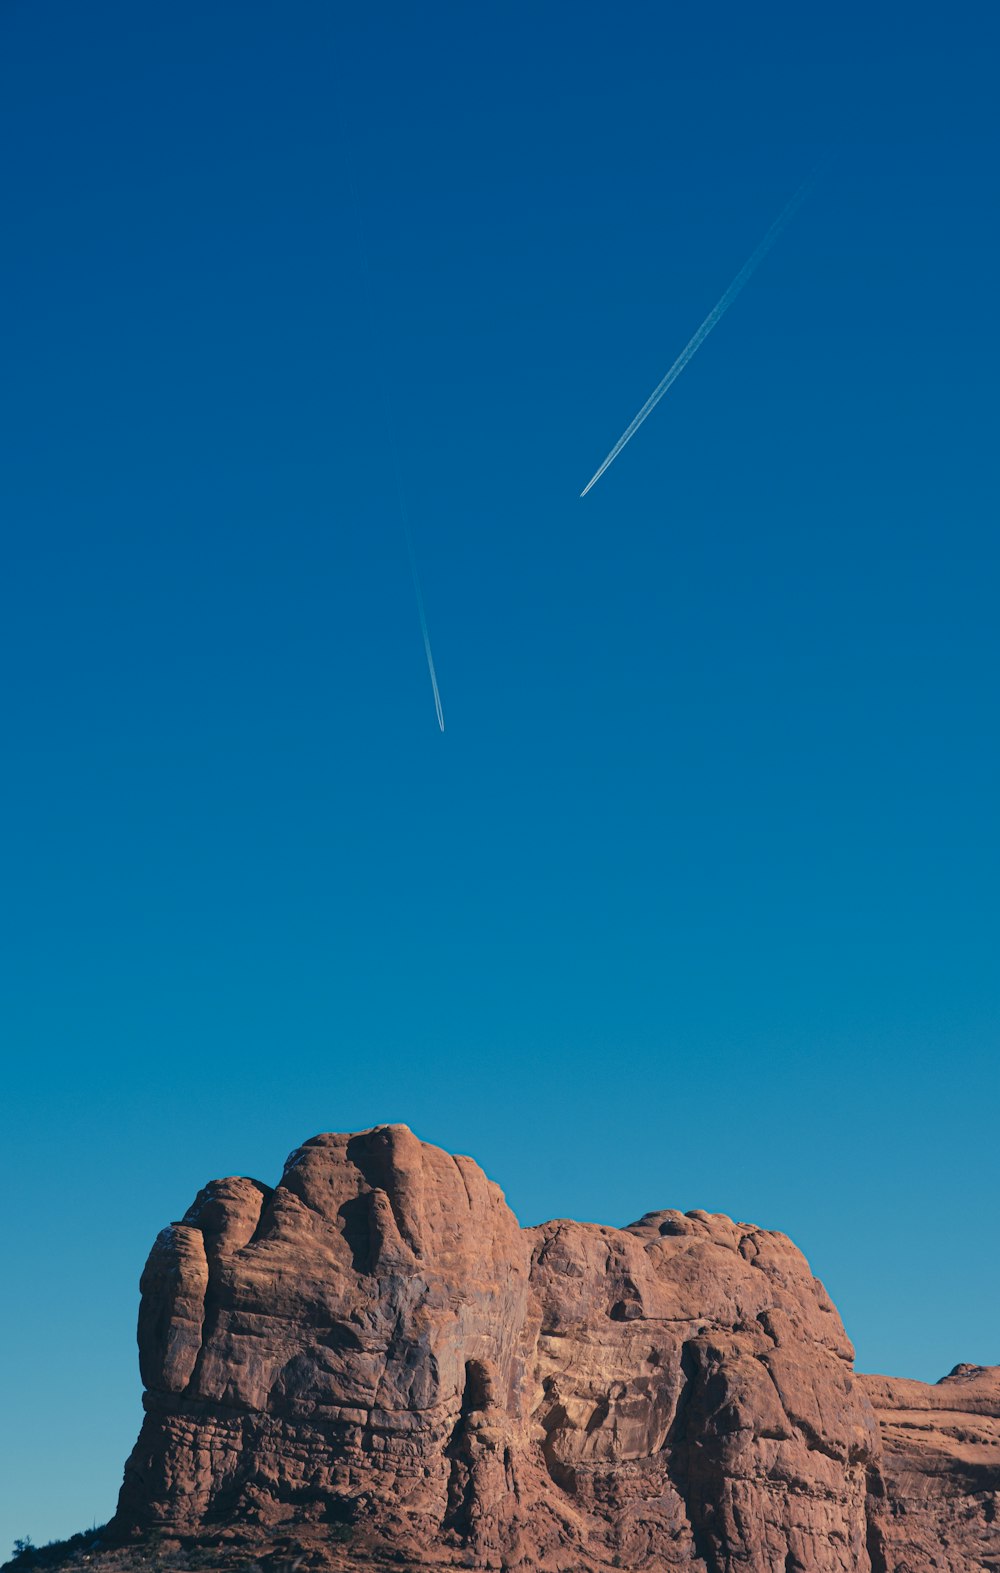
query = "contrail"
x=405 y=517
x=695 y=342
x=390 y=428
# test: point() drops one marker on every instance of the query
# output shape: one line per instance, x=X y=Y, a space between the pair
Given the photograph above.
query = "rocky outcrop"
x=696 y=1397
x=375 y=1351
x=941 y=1464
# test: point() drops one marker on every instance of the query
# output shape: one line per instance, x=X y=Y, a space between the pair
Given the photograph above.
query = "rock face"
x=374 y=1351
x=941 y=1446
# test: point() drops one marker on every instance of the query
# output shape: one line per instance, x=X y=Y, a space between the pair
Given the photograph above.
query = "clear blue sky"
x=695 y=901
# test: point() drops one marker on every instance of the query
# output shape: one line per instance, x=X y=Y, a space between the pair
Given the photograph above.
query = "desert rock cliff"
x=375 y=1352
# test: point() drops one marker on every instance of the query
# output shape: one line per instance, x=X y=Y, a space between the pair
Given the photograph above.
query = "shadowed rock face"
x=376 y=1343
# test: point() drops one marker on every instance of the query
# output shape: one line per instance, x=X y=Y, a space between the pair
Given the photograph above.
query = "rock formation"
x=375 y=1353
x=941 y=1466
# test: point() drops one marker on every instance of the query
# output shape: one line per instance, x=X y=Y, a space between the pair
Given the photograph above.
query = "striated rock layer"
x=941 y=1447
x=374 y=1351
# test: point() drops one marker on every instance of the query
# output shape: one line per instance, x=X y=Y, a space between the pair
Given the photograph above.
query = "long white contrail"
x=695 y=342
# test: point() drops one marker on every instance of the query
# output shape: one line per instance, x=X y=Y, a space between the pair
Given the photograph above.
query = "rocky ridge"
x=373 y=1362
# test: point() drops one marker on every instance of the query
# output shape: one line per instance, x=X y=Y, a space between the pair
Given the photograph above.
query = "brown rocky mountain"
x=372 y=1363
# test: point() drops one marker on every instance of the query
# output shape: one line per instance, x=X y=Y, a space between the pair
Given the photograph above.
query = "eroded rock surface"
x=941 y=1447
x=375 y=1350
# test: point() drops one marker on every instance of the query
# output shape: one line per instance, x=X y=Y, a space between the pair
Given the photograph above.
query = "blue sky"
x=695 y=901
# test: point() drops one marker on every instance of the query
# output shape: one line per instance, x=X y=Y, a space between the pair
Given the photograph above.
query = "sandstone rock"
x=323 y=1350
x=375 y=1349
x=696 y=1395
x=941 y=1446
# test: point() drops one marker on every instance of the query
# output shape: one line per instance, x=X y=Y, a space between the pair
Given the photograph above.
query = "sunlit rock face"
x=375 y=1350
x=941 y=1463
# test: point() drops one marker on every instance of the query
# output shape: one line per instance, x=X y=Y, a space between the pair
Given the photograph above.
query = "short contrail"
x=390 y=429
x=404 y=515
x=702 y=333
